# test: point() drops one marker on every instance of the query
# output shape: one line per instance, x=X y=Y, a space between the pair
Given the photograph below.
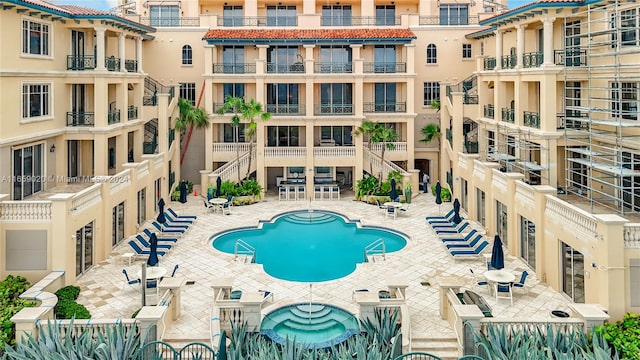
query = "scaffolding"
x=602 y=91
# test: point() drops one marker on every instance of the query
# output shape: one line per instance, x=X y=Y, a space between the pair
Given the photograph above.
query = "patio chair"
x=477 y=280
x=469 y=252
x=391 y=211
x=170 y=210
x=283 y=193
x=335 y=192
x=129 y=281
x=148 y=233
x=172 y=220
x=175 y=270
x=380 y=206
x=209 y=206
x=225 y=208
x=463 y=244
x=230 y=200
x=317 y=192
x=520 y=283
x=353 y=295
x=301 y=193
x=139 y=251
x=456 y=237
x=503 y=291
x=167 y=229
x=146 y=244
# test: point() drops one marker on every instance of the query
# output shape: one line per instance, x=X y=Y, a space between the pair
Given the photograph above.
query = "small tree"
x=386 y=136
x=430 y=132
x=233 y=104
x=366 y=130
x=251 y=110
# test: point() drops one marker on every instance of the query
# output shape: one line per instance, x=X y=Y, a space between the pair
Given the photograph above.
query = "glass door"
x=528 y=242
x=480 y=196
x=572 y=273
x=84 y=248
x=117 y=231
x=501 y=222
x=142 y=206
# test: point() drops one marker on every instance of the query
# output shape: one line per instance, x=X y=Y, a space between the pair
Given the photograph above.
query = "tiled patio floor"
x=422 y=261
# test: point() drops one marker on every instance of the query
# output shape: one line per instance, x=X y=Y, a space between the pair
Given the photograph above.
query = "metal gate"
x=160 y=350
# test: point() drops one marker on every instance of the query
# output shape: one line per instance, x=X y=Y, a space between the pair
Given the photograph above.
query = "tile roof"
x=81 y=10
x=311 y=34
x=534 y=4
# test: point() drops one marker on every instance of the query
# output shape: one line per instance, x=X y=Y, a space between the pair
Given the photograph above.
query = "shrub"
x=624 y=335
x=10 y=288
x=69 y=309
x=445 y=194
x=70 y=292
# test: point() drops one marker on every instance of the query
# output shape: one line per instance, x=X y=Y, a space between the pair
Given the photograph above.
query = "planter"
x=407 y=195
x=245 y=200
x=210 y=193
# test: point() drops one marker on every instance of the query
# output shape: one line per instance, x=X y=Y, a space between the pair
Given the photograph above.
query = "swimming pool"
x=310 y=246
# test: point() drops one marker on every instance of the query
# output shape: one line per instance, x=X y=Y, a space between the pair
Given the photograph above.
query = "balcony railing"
x=246 y=68
x=172 y=136
x=112 y=63
x=285 y=151
x=385 y=67
x=469 y=99
x=507 y=115
x=237 y=21
x=131 y=65
x=360 y=21
x=333 y=68
x=571 y=119
x=172 y=179
x=570 y=57
x=286 y=109
x=532 y=59
x=448 y=20
x=149 y=100
x=80 y=119
x=149 y=147
x=331 y=109
x=471 y=147
x=449 y=135
x=509 y=61
x=113 y=117
x=285 y=68
x=489 y=111
x=531 y=119
x=489 y=63
x=132 y=112
x=372 y=107
x=77 y=62
x=171 y=22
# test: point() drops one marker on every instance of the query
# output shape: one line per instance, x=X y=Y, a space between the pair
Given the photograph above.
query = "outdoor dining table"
x=153 y=272
x=498 y=276
x=393 y=204
x=218 y=202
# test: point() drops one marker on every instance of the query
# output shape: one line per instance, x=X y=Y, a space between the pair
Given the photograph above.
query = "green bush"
x=624 y=335
x=69 y=309
x=70 y=292
x=10 y=288
x=445 y=194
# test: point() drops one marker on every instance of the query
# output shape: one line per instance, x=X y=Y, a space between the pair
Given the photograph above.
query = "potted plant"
x=210 y=190
x=407 y=191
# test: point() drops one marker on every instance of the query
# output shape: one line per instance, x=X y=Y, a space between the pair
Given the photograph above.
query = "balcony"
x=331 y=109
x=239 y=21
x=532 y=59
x=333 y=68
x=531 y=119
x=131 y=65
x=490 y=63
x=149 y=147
x=385 y=67
x=132 y=112
x=570 y=58
x=112 y=63
x=449 y=135
x=286 y=109
x=77 y=62
x=334 y=151
x=489 y=111
x=245 y=68
x=508 y=115
x=296 y=68
x=113 y=117
x=285 y=152
x=80 y=118
x=508 y=61
x=360 y=21
x=450 y=20
x=389 y=107
x=171 y=22
x=172 y=136
x=470 y=147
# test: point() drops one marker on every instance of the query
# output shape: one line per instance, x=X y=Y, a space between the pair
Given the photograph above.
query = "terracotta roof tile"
x=384 y=33
x=80 y=10
x=531 y=4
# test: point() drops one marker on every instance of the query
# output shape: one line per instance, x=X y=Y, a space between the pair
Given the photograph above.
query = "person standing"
x=425 y=182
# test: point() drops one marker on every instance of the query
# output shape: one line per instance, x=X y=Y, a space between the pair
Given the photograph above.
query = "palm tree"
x=190 y=117
x=431 y=132
x=250 y=111
x=234 y=104
x=386 y=136
x=367 y=129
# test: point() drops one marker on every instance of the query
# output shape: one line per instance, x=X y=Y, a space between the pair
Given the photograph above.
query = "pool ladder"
x=242 y=248
x=377 y=247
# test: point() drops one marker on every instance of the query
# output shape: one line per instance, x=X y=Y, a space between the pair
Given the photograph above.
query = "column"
x=100 y=48
x=547 y=33
x=498 y=49
x=208 y=59
x=308 y=59
x=139 y=54
x=121 y=51
x=519 y=45
x=262 y=59
x=121 y=150
x=358 y=62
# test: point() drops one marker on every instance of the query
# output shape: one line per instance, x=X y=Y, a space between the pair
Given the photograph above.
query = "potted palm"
x=407 y=191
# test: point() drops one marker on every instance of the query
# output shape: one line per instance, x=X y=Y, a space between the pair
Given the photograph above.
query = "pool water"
x=312 y=324
x=308 y=246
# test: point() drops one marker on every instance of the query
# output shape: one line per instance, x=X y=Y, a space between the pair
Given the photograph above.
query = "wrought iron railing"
x=489 y=111
x=286 y=109
x=132 y=112
x=360 y=20
x=172 y=179
x=489 y=63
x=449 y=136
x=84 y=62
x=113 y=116
x=131 y=65
x=80 y=118
x=531 y=119
x=171 y=22
x=285 y=68
x=448 y=20
x=385 y=67
x=389 y=107
x=149 y=147
x=508 y=115
x=570 y=57
x=532 y=59
x=237 y=21
x=508 y=61
x=245 y=68
x=112 y=63
x=333 y=68
x=334 y=109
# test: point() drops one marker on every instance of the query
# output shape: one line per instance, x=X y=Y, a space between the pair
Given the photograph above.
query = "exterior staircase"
x=444 y=347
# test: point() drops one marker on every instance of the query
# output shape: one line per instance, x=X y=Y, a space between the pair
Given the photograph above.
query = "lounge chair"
x=176 y=221
x=148 y=233
x=167 y=229
x=446 y=226
x=129 y=281
x=170 y=210
x=451 y=230
x=456 y=238
x=146 y=244
x=470 y=252
x=440 y=217
x=268 y=295
x=139 y=251
x=463 y=244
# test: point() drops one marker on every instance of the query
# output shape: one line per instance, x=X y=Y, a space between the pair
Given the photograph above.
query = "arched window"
x=187 y=58
x=432 y=57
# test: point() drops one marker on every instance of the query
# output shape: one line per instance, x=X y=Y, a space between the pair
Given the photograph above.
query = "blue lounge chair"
x=136 y=248
x=167 y=229
x=446 y=216
x=456 y=238
x=469 y=252
x=463 y=224
x=176 y=221
x=146 y=244
x=451 y=230
x=148 y=233
x=170 y=210
x=444 y=221
x=463 y=244
x=128 y=280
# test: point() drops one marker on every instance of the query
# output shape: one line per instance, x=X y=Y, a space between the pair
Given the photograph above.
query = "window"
x=188 y=92
x=117 y=230
x=283 y=136
x=482 y=49
x=233 y=60
x=164 y=15
x=35 y=38
x=281 y=15
x=283 y=99
x=502 y=221
x=336 y=15
x=431 y=92
x=384 y=59
x=336 y=98
x=36 y=100
x=528 y=242
x=624 y=100
x=385 y=15
x=142 y=206
x=84 y=248
x=187 y=56
x=466 y=51
x=480 y=206
x=284 y=59
x=28 y=170
x=341 y=135
x=235 y=90
x=385 y=97
x=572 y=265
x=452 y=14
x=232 y=15
x=432 y=56
x=335 y=59
x=629 y=30
x=232 y=132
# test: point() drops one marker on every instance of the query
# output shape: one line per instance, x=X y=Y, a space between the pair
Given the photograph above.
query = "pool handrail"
x=241 y=247
x=376 y=247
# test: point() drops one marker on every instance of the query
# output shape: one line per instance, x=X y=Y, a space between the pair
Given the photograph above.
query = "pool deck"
x=421 y=263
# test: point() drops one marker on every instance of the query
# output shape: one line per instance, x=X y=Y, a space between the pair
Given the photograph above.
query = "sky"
x=93 y=4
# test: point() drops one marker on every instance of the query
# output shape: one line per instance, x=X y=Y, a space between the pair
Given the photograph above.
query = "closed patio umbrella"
x=218 y=185
x=153 y=250
x=183 y=191
x=438 y=198
x=497 y=255
x=161 y=219
x=394 y=192
x=456 y=212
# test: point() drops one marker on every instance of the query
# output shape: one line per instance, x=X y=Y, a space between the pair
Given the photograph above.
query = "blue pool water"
x=308 y=246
